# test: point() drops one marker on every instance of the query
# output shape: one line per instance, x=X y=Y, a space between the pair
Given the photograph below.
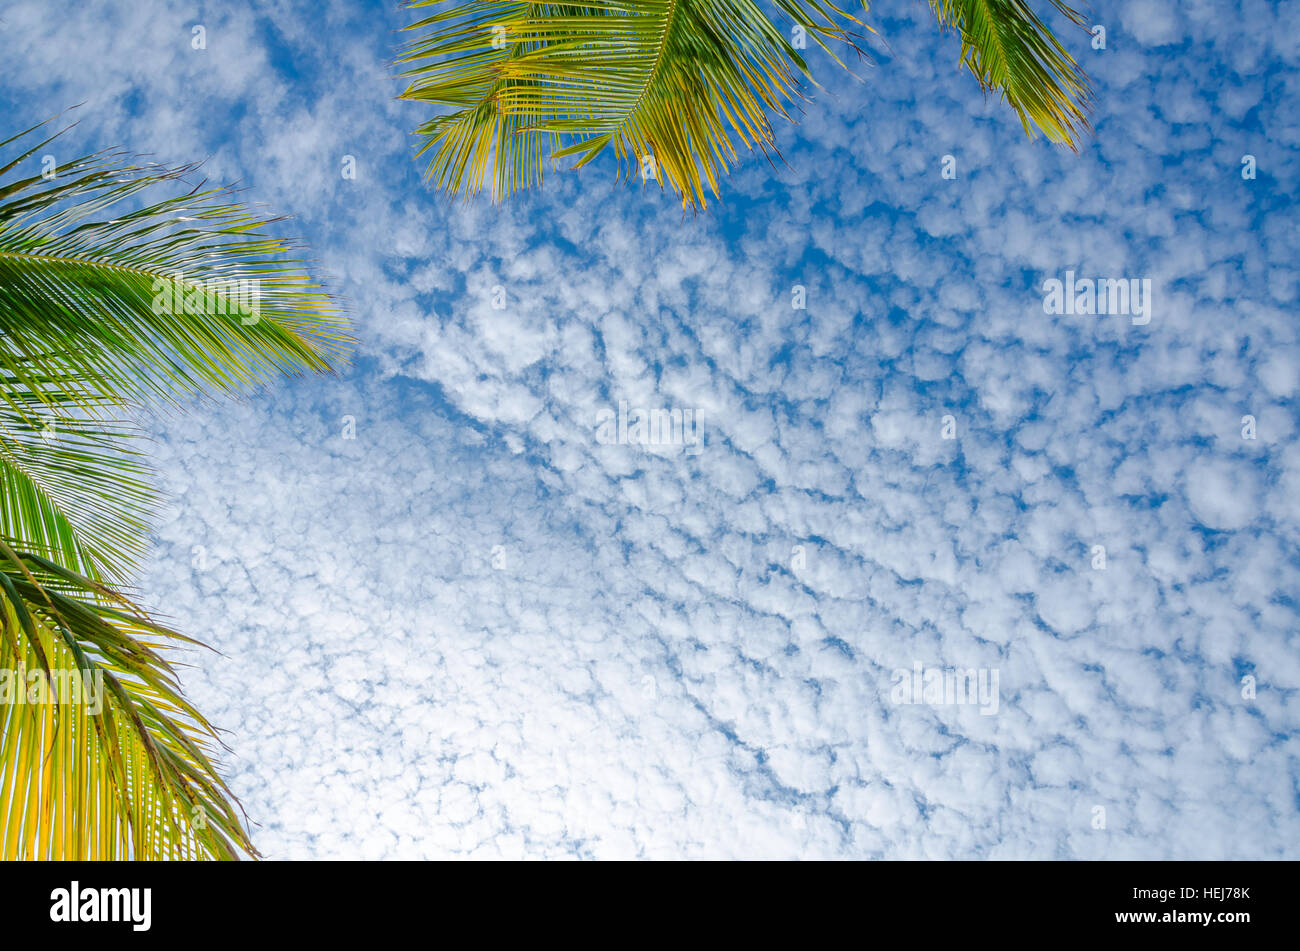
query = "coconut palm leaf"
x=113 y=300
x=673 y=81
x=1010 y=50
x=108 y=302
x=100 y=754
x=150 y=301
x=73 y=485
x=672 y=85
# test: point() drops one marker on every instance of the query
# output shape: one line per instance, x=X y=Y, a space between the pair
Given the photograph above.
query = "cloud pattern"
x=475 y=629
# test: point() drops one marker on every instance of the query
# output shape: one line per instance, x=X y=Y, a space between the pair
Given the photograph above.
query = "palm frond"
x=150 y=301
x=72 y=486
x=1010 y=50
x=673 y=82
x=101 y=757
x=674 y=86
x=111 y=300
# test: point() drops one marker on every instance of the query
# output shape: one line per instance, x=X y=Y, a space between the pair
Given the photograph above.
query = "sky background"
x=677 y=655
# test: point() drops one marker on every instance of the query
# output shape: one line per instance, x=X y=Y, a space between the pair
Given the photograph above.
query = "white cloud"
x=1223 y=496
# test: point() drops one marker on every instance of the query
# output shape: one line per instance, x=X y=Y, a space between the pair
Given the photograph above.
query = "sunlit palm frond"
x=152 y=301
x=1011 y=51
x=675 y=83
x=101 y=757
x=675 y=87
x=112 y=300
x=73 y=487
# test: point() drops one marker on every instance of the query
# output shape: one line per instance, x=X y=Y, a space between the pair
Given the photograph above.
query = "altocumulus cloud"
x=476 y=629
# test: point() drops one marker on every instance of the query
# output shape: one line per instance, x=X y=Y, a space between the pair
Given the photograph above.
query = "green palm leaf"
x=673 y=86
x=108 y=302
x=72 y=486
x=675 y=81
x=144 y=299
x=100 y=754
x=111 y=302
x=1009 y=49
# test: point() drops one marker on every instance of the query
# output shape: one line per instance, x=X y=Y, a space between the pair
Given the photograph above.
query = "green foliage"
x=673 y=86
x=109 y=303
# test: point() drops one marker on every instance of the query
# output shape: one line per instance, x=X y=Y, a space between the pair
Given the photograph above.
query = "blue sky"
x=476 y=630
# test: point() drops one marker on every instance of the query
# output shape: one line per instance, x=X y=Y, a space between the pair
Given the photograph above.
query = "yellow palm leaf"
x=677 y=88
